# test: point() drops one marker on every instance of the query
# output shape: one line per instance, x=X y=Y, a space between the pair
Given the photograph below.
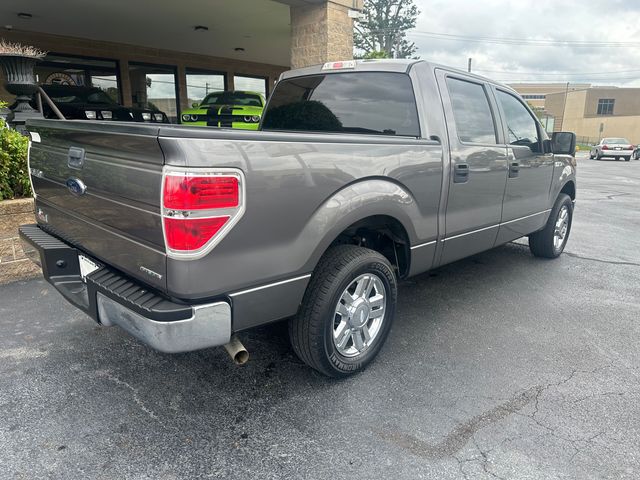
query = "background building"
x=536 y=93
x=171 y=54
x=591 y=112
x=597 y=112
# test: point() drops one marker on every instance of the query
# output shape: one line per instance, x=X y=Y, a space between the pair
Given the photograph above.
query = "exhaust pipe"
x=236 y=351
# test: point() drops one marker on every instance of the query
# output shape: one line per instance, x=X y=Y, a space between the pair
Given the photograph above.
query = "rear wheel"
x=347 y=311
x=626 y=159
x=591 y=155
x=551 y=240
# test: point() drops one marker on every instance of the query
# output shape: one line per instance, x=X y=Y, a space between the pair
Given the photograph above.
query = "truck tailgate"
x=98 y=187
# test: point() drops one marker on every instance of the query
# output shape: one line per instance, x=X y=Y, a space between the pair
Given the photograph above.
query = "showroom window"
x=81 y=72
x=251 y=84
x=201 y=83
x=605 y=106
x=154 y=87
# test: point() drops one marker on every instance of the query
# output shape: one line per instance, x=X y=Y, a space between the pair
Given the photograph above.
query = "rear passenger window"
x=521 y=126
x=377 y=103
x=471 y=112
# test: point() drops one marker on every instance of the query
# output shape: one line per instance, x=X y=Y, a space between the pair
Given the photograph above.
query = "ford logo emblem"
x=76 y=186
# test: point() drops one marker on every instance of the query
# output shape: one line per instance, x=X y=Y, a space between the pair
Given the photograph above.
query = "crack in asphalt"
x=613 y=195
x=462 y=433
x=455 y=441
x=610 y=262
x=485 y=461
x=136 y=396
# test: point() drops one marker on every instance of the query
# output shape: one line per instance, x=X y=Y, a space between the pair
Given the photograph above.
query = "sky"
x=579 y=22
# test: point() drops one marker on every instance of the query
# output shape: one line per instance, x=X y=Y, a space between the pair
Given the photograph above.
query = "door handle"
x=461 y=173
x=514 y=169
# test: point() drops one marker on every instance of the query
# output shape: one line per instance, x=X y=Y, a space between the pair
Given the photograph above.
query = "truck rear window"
x=366 y=102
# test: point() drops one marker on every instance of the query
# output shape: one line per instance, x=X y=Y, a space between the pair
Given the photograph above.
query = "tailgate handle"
x=76 y=158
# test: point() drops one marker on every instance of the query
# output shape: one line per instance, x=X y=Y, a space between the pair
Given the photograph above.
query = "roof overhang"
x=250 y=30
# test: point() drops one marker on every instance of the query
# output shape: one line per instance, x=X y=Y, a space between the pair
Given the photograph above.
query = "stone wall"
x=13 y=264
x=320 y=33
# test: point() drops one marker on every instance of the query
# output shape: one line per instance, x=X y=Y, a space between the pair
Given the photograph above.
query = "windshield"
x=616 y=141
x=95 y=96
x=232 y=98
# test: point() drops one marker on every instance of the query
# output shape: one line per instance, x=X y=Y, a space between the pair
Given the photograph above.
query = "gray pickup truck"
x=362 y=173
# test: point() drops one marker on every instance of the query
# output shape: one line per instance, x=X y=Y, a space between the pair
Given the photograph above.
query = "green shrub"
x=14 y=173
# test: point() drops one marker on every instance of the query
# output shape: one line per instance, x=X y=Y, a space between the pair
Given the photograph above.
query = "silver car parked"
x=612 y=147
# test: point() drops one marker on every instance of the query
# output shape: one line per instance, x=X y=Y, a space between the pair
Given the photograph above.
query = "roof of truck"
x=384 y=65
x=401 y=65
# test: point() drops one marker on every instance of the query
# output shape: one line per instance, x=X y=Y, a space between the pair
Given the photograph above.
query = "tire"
x=545 y=243
x=616 y=158
x=312 y=331
x=591 y=156
x=626 y=159
x=598 y=157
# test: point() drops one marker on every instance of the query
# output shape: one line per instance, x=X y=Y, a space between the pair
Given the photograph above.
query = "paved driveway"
x=499 y=366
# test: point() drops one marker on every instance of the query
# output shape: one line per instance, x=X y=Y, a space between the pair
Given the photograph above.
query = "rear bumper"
x=111 y=298
x=616 y=153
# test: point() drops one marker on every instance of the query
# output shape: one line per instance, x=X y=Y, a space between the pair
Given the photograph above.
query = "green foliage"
x=375 y=54
x=14 y=173
x=384 y=28
x=539 y=111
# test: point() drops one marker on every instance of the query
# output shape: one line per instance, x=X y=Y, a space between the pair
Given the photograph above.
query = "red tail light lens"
x=197 y=193
x=199 y=207
x=193 y=233
x=605 y=147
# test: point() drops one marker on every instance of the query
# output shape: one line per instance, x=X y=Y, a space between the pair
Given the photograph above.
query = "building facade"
x=170 y=54
x=597 y=112
x=592 y=112
x=536 y=93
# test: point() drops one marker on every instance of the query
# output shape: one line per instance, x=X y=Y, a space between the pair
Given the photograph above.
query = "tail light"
x=605 y=147
x=199 y=207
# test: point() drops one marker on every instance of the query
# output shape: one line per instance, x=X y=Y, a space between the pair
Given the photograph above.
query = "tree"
x=375 y=54
x=383 y=28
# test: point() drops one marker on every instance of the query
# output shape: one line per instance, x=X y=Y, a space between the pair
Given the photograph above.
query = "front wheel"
x=347 y=311
x=551 y=240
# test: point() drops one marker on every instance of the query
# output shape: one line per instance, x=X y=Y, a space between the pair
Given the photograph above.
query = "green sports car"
x=227 y=109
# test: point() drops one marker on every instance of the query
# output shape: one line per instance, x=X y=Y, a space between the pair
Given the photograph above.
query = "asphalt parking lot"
x=498 y=366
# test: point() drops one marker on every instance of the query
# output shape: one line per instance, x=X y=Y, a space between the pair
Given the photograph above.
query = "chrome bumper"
x=111 y=298
x=209 y=326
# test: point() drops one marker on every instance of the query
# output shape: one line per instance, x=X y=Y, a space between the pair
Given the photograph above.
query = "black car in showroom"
x=92 y=103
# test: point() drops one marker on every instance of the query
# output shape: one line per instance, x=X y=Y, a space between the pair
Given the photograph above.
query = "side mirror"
x=195 y=104
x=563 y=143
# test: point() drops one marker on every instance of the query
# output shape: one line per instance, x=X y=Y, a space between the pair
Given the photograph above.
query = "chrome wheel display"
x=359 y=315
x=561 y=228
